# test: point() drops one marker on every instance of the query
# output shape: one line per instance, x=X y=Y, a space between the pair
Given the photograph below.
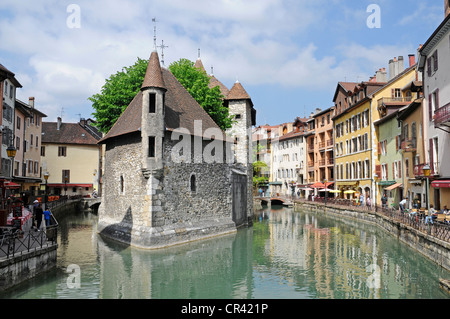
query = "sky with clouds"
x=288 y=54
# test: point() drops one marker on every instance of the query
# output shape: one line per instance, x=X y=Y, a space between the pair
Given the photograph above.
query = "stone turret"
x=152 y=126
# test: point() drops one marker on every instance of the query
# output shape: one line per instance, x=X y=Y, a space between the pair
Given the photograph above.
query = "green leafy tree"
x=120 y=89
x=196 y=82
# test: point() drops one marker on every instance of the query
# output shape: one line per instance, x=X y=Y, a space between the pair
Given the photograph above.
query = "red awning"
x=69 y=185
x=11 y=185
x=441 y=183
x=317 y=185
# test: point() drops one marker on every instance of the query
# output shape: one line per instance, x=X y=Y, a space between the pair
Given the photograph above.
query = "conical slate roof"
x=238 y=92
x=181 y=109
x=153 y=76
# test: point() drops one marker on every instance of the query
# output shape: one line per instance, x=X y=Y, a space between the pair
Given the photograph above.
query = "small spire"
x=162 y=46
x=154 y=34
x=212 y=70
x=198 y=53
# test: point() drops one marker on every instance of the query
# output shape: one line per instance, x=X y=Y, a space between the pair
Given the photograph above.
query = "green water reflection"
x=286 y=254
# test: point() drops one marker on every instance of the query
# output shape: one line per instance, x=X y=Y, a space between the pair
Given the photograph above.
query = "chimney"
x=31 y=101
x=58 y=123
x=391 y=69
x=82 y=122
x=412 y=59
x=381 y=75
x=401 y=64
x=447 y=8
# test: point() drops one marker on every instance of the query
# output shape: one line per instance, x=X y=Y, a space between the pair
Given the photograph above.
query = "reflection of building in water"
x=286 y=241
x=185 y=271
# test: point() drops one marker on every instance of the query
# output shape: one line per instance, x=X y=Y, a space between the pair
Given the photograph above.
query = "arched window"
x=193 y=184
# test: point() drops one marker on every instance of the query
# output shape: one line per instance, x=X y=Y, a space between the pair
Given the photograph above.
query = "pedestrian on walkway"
x=39 y=213
x=384 y=201
x=47 y=217
x=33 y=213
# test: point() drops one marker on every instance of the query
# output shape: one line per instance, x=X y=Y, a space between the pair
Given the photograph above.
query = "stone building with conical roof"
x=170 y=173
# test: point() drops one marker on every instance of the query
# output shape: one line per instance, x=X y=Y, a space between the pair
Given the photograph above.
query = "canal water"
x=286 y=254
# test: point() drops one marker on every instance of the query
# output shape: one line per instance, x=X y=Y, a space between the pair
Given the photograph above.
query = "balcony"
x=310 y=147
x=322 y=162
x=392 y=101
x=442 y=116
x=418 y=170
x=409 y=145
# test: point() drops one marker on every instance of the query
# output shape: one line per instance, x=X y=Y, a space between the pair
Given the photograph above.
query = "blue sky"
x=288 y=55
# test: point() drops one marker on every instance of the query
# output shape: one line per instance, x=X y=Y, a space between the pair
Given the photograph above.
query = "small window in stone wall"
x=193 y=183
x=121 y=184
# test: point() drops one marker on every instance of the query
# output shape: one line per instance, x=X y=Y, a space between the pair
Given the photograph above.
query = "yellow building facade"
x=72 y=158
x=391 y=97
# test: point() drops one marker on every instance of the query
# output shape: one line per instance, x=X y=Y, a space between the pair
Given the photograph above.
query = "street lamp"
x=326 y=192
x=426 y=172
x=11 y=151
x=46 y=175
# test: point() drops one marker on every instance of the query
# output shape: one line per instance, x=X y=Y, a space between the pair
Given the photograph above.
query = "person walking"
x=39 y=213
x=384 y=201
x=33 y=213
x=47 y=217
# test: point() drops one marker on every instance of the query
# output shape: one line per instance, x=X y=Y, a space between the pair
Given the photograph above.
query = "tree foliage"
x=117 y=92
x=120 y=89
x=196 y=82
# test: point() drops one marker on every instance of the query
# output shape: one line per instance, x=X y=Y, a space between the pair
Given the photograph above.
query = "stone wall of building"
x=163 y=208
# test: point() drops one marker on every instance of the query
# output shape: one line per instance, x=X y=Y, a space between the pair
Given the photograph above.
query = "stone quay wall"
x=435 y=249
x=27 y=265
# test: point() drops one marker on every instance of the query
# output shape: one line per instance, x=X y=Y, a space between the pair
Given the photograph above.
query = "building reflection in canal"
x=286 y=254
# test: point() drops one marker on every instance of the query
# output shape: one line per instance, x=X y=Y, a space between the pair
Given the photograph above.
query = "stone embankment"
x=435 y=249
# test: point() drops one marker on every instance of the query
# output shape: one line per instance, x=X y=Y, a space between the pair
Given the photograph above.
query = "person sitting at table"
x=444 y=210
x=402 y=204
x=429 y=215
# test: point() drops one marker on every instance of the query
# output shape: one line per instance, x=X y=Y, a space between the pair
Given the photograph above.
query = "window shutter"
x=379 y=148
x=437 y=99
x=392 y=93
x=396 y=143
x=430 y=107
x=378 y=170
x=399 y=169
x=435 y=60
x=431 y=154
x=429 y=67
x=393 y=170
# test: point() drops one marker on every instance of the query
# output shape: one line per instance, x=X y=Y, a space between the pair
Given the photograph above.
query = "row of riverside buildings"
x=376 y=138
x=67 y=153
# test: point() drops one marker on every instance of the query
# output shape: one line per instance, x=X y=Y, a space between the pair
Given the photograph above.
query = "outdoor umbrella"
x=335 y=191
x=325 y=190
x=350 y=191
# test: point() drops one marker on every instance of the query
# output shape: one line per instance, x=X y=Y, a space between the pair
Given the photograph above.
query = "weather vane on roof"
x=162 y=46
x=154 y=33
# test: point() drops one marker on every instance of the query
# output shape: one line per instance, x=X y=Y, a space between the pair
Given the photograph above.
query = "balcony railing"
x=321 y=162
x=434 y=169
x=442 y=115
x=394 y=100
x=409 y=145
